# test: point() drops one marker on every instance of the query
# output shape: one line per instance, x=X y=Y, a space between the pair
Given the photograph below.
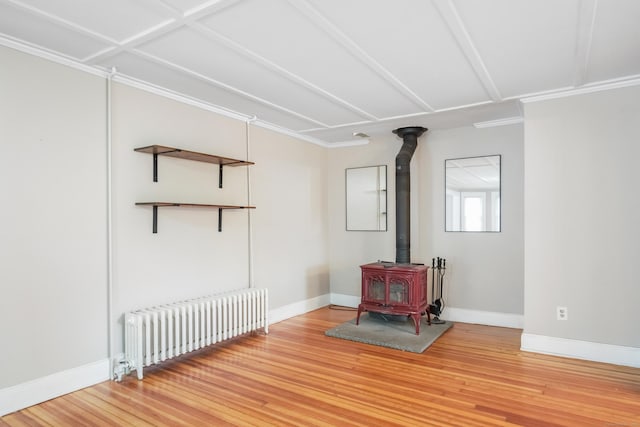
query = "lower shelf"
x=220 y=208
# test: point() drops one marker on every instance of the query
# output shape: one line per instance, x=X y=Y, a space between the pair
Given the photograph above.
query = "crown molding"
x=499 y=122
x=350 y=143
x=157 y=90
x=256 y=121
x=595 y=87
x=270 y=126
x=51 y=56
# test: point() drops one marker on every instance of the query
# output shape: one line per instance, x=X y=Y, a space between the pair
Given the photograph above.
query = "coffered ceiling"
x=327 y=69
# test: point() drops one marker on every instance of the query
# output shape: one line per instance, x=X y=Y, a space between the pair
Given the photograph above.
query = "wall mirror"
x=472 y=200
x=366 y=198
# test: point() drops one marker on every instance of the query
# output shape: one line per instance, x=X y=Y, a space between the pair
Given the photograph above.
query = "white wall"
x=350 y=249
x=290 y=226
x=53 y=302
x=188 y=257
x=485 y=269
x=582 y=231
x=53 y=271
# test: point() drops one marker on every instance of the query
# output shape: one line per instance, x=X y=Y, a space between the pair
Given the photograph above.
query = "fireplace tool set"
x=436 y=307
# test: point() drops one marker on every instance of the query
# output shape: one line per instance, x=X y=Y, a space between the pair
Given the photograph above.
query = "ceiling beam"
x=248 y=53
x=452 y=19
x=61 y=22
x=354 y=49
x=584 y=35
x=178 y=20
x=226 y=87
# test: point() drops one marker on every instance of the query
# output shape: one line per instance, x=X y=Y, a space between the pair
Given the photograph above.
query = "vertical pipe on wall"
x=109 y=229
x=410 y=137
x=249 y=227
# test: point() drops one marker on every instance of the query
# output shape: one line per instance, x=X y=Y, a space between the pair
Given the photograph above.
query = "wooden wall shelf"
x=220 y=208
x=161 y=150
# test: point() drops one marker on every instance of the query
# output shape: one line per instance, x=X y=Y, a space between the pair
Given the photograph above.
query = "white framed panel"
x=400 y=35
x=306 y=49
x=116 y=19
x=231 y=68
x=43 y=33
x=528 y=47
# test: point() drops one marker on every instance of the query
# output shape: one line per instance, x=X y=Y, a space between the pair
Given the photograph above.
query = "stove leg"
x=416 y=319
x=358 y=317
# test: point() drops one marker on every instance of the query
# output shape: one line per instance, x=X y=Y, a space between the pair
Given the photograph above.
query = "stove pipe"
x=410 y=136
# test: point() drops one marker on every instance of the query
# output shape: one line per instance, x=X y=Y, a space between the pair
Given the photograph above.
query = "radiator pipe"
x=249 y=225
x=410 y=137
x=110 y=319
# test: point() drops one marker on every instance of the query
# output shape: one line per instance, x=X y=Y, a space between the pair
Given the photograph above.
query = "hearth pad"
x=392 y=334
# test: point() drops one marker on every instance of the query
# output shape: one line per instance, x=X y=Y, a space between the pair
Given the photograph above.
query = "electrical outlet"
x=562 y=312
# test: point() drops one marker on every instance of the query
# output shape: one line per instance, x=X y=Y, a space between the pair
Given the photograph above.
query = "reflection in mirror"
x=366 y=192
x=472 y=201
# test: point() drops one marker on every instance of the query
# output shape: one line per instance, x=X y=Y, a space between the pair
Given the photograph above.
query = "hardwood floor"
x=472 y=376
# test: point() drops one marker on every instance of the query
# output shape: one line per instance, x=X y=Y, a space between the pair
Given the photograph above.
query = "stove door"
x=399 y=291
x=373 y=288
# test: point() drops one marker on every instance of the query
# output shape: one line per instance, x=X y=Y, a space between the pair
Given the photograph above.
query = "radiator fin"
x=156 y=334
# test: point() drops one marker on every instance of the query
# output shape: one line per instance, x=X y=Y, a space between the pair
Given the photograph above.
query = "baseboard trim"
x=345 y=300
x=297 y=308
x=490 y=318
x=586 y=350
x=30 y=393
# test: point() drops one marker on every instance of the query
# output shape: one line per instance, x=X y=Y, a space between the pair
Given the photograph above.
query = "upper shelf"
x=161 y=150
x=192 y=205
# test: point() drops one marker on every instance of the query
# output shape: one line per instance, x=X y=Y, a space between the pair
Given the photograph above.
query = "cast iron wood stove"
x=395 y=289
x=398 y=288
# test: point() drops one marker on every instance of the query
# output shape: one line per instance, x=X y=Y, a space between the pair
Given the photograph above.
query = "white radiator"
x=159 y=333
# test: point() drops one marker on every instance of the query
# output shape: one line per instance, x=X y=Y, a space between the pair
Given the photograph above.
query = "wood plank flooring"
x=296 y=376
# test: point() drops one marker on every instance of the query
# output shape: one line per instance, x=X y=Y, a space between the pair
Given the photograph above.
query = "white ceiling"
x=325 y=69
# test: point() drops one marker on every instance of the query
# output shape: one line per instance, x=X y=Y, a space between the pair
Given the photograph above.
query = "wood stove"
x=395 y=289
x=398 y=288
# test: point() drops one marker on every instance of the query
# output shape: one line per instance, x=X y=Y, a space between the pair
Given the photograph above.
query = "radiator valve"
x=122 y=368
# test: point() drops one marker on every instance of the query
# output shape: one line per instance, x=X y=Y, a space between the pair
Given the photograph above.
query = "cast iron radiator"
x=159 y=333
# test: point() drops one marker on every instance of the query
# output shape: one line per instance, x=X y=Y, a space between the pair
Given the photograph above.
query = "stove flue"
x=410 y=137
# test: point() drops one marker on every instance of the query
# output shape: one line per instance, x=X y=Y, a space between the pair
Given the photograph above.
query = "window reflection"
x=472 y=201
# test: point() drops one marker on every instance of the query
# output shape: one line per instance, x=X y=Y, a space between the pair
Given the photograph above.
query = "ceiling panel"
x=283 y=35
x=117 y=19
x=527 y=45
x=22 y=25
x=144 y=70
x=616 y=34
x=329 y=68
x=231 y=68
x=410 y=38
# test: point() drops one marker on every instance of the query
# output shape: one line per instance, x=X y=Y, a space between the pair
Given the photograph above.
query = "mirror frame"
x=381 y=190
x=499 y=205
